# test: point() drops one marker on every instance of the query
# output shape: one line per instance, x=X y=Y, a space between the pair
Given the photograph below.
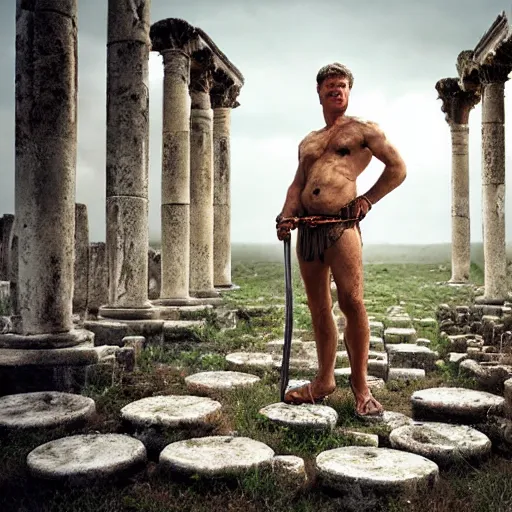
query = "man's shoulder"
x=309 y=136
x=365 y=123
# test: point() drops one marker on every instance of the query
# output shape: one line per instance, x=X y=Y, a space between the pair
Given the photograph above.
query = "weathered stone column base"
x=128 y=313
x=55 y=369
x=62 y=340
x=112 y=332
x=185 y=301
x=489 y=301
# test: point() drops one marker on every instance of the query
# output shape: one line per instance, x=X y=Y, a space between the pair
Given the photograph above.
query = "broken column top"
x=178 y=34
x=457 y=103
x=491 y=59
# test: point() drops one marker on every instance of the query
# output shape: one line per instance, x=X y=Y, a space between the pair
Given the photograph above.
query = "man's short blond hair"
x=335 y=69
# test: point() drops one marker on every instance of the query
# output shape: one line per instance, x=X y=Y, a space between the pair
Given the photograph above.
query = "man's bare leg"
x=316 y=278
x=346 y=262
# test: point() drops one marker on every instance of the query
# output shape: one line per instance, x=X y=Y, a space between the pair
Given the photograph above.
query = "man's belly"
x=327 y=196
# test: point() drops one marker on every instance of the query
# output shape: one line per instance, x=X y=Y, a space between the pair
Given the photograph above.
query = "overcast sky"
x=397 y=50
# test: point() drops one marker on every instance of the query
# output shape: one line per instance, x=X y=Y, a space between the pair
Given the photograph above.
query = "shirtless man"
x=330 y=160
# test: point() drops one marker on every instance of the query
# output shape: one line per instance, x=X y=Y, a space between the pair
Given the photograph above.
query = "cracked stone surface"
x=250 y=359
x=86 y=456
x=46 y=409
x=441 y=442
x=400 y=335
x=207 y=382
x=358 y=469
x=171 y=411
x=215 y=455
x=315 y=417
x=458 y=404
x=390 y=419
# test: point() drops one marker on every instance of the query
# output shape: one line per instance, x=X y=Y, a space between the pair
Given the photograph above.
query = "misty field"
x=418 y=285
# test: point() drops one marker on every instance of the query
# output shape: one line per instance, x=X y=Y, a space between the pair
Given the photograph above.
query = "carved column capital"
x=457 y=103
x=201 y=78
x=495 y=73
x=226 y=97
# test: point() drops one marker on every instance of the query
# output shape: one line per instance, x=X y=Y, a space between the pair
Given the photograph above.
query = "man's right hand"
x=284 y=227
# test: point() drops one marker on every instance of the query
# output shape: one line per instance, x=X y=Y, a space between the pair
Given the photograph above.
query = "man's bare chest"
x=342 y=142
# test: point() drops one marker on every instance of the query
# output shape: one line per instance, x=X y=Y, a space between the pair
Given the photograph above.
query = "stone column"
x=46 y=131
x=493 y=182
x=175 y=209
x=201 y=184
x=457 y=105
x=7 y=223
x=81 y=265
x=127 y=233
x=221 y=198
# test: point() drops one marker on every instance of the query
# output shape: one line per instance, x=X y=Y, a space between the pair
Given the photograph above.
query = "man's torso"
x=332 y=159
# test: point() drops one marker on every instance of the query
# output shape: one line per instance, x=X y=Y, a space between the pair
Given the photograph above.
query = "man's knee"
x=351 y=302
x=320 y=308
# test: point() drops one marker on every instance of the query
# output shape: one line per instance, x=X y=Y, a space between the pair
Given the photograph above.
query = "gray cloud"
x=395 y=48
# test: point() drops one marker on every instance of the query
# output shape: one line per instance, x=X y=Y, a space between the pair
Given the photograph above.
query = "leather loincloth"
x=313 y=241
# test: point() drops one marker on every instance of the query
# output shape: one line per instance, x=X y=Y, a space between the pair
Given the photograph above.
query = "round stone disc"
x=206 y=382
x=356 y=469
x=315 y=417
x=441 y=442
x=46 y=409
x=86 y=456
x=170 y=411
x=250 y=359
x=455 y=403
x=215 y=455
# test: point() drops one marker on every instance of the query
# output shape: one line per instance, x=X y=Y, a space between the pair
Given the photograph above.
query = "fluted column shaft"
x=127 y=234
x=461 y=236
x=222 y=197
x=201 y=191
x=175 y=209
x=45 y=164
x=493 y=190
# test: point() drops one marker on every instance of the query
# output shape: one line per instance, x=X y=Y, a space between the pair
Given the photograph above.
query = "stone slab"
x=456 y=357
x=390 y=419
x=44 y=410
x=309 y=416
x=90 y=456
x=215 y=455
x=489 y=376
x=79 y=355
x=357 y=470
x=405 y=374
x=250 y=360
x=109 y=332
x=455 y=404
x=362 y=438
x=173 y=411
x=376 y=343
x=411 y=355
x=400 y=335
x=71 y=338
x=289 y=469
x=207 y=382
x=442 y=443
x=376 y=328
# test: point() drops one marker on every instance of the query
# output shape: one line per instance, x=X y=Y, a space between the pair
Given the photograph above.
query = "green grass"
x=418 y=287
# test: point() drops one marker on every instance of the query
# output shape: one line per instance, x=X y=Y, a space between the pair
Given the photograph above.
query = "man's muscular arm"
x=395 y=171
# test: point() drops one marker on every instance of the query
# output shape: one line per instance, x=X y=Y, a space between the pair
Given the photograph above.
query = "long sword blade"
x=288 y=327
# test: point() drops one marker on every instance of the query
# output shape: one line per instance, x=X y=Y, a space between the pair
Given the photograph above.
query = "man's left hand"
x=360 y=206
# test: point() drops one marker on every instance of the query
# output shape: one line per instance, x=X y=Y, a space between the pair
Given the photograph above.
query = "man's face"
x=334 y=92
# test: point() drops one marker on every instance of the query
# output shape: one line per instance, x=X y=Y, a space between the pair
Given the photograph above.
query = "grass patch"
x=419 y=288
